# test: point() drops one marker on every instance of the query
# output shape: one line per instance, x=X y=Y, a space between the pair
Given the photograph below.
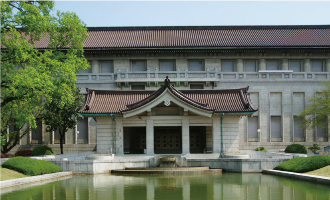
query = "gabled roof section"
x=120 y=101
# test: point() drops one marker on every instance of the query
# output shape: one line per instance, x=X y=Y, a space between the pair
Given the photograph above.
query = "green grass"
x=7 y=174
x=324 y=171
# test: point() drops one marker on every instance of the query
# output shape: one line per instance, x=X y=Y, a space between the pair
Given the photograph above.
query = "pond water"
x=226 y=186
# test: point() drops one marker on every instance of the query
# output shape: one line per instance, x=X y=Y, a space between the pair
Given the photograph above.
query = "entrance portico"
x=175 y=122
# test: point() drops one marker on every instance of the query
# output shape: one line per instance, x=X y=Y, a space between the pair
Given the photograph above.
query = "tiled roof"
x=214 y=36
x=117 y=101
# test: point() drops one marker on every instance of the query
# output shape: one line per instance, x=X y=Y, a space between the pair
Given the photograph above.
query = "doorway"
x=168 y=140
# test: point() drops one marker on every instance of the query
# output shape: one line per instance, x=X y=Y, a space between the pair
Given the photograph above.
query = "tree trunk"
x=61 y=140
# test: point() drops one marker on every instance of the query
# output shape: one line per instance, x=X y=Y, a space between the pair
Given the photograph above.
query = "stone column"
x=216 y=132
x=239 y=65
x=119 y=143
x=185 y=136
x=285 y=64
x=262 y=64
x=95 y=66
x=150 y=136
x=307 y=65
x=327 y=65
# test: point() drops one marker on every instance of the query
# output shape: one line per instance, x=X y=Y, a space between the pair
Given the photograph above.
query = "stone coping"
x=166 y=171
x=32 y=179
x=236 y=159
x=305 y=177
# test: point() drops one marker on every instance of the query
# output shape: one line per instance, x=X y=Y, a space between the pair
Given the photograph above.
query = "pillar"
x=262 y=64
x=150 y=136
x=307 y=65
x=216 y=131
x=185 y=136
x=327 y=65
x=240 y=65
x=95 y=66
x=285 y=64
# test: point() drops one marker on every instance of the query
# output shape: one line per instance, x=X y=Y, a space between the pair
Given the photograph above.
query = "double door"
x=167 y=138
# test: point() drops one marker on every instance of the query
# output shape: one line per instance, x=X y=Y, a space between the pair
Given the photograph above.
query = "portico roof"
x=121 y=101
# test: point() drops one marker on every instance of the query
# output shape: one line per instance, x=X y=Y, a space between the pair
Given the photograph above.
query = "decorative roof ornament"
x=167 y=102
x=167 y=81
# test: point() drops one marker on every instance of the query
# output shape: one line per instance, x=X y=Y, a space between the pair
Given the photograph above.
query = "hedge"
x=29 y=166
x=42 y=150
x=304 y=164
x=295 y=148
x=23 y=153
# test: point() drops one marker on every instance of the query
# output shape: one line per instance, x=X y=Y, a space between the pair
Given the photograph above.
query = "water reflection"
x=226 y=186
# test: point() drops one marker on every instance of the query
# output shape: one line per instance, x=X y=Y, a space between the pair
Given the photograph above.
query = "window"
x=295 y=66
x=253 y=127
x=138 y=87
x=298 y=131
x=272 y=65
x=139 y=66
x=320 y=131
x=167 y=65
x=250 y=66
x=195 y=86
x=317 y=66
x=82 y=127
x=37 y=134
x=276 y=126
x=195 y=66
x=89 y=70
x=107 y=67
x=227 y=66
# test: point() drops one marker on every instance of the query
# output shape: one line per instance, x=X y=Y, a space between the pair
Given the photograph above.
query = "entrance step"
x=167 y=170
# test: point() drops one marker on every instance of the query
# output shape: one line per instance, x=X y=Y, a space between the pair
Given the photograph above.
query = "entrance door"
x=168 y=140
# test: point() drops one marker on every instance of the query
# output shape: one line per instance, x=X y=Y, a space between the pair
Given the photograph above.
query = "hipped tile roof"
x=118 y=101
x=208 y=36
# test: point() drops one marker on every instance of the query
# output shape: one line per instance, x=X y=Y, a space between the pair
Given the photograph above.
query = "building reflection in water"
x=226 y=186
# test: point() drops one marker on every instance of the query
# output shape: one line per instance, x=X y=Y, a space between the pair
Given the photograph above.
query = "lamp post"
x=258 y=139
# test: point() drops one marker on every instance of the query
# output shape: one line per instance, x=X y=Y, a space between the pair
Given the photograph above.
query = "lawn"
x=324 y=171
x=7 y=174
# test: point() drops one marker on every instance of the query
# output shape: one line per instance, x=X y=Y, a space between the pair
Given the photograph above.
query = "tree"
x=31 y=72
x=316 y=114
x=61 y=114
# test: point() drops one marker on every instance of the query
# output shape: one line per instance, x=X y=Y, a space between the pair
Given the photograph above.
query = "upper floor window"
x=227 y=66
x=139 y=65
x=196 y=65
x=196 y=86
x=250 y=66
x=167 y=65
x=106 y=67
x=89 y=70
x=138 y=87
x=272 y=65
x=317 y=66
x=295 y=66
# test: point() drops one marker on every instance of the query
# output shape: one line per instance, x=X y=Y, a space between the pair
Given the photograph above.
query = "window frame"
x=136 y=85
x=203 y=64
x=278 y=65
x=145 y=62
x=196 y=84
x=323 y=67
x=301 y=65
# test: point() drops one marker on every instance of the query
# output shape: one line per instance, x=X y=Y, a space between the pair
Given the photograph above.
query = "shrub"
x=261 y=149
x=295 y=148
x=6 y=155
x=304 y=164
x=42 y=150
x=24 y=153
x=314 y=148
x=29 y=166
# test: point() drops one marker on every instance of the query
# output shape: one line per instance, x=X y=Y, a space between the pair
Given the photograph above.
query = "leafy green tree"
x=31 y=71
x=61 y=114
x=316 y=114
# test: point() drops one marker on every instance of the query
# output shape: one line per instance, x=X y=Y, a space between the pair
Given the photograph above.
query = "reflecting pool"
x=224 y=186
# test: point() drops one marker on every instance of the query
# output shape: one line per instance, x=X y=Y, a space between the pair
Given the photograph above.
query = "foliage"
x=316 y=114
x=23 y=153
x=42 y=150
x=29 y=75
x=295 y=148
x=304 y=164
x=29 y=166
x=314 y=148
x=261 y=149
x=6 y=155
x=62 y=118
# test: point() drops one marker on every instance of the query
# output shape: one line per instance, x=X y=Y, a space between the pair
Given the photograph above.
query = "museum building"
x=196 y=89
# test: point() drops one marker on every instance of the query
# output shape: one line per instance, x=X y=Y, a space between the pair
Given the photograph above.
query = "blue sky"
x=198 y=13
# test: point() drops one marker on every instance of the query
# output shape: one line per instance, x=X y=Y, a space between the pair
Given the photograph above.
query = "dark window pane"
x=196 y=86
x=139 y=66
x=138 y=87
x=167 y=66
x=227 y=66
x=196 y=66
x=252 y=127
x=295 y=66
x=298 y=131
x=250 y=66
x=317 y=66
x=106 y=67
x=275 y=127
x=272 y=65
